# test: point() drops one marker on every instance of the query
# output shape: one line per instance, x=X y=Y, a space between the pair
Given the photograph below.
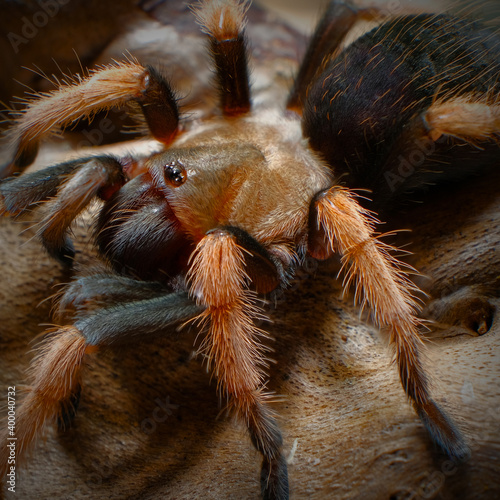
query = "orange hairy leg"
x=128 y=310
x=343 y=222
x=55 y=377
x=469 y=118
x=219 y=283
x=472 y=119
x=104 y=88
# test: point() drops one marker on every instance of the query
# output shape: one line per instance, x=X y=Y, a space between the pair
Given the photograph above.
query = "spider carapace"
x=231 y=205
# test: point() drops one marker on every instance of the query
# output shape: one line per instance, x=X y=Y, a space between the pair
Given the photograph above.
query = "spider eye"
x=175 y=173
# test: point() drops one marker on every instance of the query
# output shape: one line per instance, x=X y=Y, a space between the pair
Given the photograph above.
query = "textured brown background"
x=343 y=412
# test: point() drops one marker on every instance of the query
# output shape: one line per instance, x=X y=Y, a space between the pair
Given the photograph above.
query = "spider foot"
x=274 y=479
x=69 y=409
x=442 y=430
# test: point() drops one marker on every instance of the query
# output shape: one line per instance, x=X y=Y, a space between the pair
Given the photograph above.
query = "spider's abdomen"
x=362 y=100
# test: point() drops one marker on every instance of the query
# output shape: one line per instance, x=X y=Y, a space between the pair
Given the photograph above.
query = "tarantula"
x=231 y=206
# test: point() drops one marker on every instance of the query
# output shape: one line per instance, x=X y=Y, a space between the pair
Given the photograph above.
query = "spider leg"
x=336 y=22
x=219 y=282
x=72 y=185
x=20 y=194
x=341 y=221
x=104 y=88
x=224 y=23
x=106 y=289
x=468 y=118
x=465 y=120
x=55 y=374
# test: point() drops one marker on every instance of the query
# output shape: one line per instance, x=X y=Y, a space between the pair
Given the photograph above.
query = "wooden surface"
x=150 y=424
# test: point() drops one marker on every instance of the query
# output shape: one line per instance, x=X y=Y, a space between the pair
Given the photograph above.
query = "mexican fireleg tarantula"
x=234 y=204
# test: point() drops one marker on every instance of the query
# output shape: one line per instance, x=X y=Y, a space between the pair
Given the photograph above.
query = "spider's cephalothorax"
x=232 y=205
